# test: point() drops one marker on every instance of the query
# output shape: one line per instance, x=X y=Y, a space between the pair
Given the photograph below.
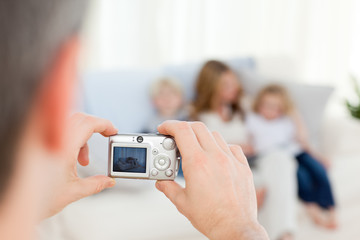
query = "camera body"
x=145 y=156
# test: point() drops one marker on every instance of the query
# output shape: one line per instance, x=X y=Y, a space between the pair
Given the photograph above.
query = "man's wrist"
x=243 y=231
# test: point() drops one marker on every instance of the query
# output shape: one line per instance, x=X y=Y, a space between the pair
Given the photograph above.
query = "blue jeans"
x=313 y=182
x=180 y=173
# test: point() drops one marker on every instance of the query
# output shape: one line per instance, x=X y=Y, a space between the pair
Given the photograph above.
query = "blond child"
x=276 y=125
x=168 y=100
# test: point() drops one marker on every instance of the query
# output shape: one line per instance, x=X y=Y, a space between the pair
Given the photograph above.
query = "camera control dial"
x=162 y=162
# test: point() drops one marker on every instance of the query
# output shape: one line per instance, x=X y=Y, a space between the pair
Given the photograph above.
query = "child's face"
x=228 y=88
x=271 y=106
x=168 y=101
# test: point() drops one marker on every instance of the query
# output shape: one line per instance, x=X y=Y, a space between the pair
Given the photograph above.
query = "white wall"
x=321 y=37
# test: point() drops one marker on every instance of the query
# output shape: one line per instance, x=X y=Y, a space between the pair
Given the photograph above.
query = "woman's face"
x=229 y=88
x=271 y=106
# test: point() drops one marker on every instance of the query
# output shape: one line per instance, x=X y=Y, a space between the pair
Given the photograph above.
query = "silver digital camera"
x=145 y=156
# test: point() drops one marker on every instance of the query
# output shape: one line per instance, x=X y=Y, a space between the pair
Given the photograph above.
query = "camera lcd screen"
x=129 y=159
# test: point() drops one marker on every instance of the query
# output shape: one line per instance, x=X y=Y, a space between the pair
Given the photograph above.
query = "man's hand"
x=72 y=188
x=219 y=198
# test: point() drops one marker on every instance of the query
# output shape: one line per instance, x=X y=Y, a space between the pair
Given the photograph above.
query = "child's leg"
x=322 y=191
x=306 y=192
x=305 y=185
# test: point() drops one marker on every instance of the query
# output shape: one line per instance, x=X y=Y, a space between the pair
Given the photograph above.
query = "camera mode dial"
x=168 y=144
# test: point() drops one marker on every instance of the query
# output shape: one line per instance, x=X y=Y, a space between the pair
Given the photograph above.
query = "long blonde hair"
x=206 y=88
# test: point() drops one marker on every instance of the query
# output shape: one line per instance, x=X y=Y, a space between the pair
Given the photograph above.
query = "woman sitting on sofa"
x=217 y=103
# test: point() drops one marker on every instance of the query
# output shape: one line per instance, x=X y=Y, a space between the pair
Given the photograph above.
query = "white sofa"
x=134 y=209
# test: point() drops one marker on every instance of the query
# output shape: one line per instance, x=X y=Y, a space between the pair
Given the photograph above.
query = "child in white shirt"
x=167 y=97
x=168 y=100
x=275 y=125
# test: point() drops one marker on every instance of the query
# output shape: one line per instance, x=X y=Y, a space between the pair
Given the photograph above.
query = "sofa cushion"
x=121 y=97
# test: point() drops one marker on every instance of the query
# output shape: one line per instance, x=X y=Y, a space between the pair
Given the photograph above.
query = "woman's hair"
x=274 y=89
x=165 y=82
x=207 y=84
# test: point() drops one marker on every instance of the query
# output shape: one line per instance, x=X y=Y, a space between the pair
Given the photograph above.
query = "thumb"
x=95 y=184
x=173 y=191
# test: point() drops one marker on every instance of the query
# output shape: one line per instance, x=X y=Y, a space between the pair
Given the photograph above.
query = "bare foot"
x=260 y=196
x=286 y=236
x=326 y=219
x=315 y=214
x=331 y=219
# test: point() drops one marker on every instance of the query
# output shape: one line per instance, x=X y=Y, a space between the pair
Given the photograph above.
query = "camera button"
x=169 y=144
x=162 y=162
x=155 y=151
x=169 y=173
x=154 y=172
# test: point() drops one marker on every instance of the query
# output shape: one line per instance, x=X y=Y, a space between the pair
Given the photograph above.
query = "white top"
x=268 y=135
x=233 y=131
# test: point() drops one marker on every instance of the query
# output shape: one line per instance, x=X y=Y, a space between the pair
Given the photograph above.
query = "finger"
x=99 y=125
x=83 y=157
x=204 y=136
x=92 y=185
x=184 y=136
x=87 y=125
x=238 y=154
x=173 y=191
x=221 y=142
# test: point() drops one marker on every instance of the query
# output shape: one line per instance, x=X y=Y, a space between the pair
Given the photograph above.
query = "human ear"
x=56 y=94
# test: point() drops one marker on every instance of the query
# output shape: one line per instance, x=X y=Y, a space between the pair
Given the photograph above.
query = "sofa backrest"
x=121 y=97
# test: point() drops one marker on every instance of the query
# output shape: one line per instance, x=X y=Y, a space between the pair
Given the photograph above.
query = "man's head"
x=38 y=47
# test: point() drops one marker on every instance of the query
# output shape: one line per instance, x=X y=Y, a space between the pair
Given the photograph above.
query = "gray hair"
x=31 y=33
